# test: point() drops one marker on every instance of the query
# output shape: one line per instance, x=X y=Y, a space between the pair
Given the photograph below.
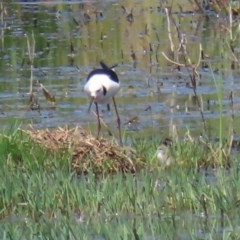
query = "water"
x=72 y=37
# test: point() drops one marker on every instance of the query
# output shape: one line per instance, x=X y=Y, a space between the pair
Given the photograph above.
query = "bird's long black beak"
x=90 y=105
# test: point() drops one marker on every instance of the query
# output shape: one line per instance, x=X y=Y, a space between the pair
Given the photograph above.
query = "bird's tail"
x=105 y=67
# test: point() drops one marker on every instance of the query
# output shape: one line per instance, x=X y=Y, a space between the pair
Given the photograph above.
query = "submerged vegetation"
x=63 y=183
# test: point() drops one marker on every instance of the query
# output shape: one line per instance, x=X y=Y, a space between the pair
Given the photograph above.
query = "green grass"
x=40 y=196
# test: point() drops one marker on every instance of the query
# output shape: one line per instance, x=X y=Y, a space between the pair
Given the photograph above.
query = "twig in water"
x=190 y=67
x=31 y=54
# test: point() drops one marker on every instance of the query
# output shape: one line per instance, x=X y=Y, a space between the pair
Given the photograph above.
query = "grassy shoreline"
x=41 y=198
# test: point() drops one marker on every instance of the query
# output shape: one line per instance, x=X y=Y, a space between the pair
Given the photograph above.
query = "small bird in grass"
x=163 y=155
x=102 y=85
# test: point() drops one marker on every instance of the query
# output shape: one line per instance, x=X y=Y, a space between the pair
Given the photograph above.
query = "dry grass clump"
x=88 y=153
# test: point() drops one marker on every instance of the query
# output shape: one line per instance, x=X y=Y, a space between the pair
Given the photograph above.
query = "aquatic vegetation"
x=42 y=196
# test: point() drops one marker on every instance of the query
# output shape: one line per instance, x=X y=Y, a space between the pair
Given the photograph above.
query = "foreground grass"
x=41 y=198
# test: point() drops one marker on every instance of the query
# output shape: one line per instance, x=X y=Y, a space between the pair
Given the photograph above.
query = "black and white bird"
x=102 y=85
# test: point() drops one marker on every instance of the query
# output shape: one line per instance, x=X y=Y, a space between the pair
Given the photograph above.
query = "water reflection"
x=71 y=38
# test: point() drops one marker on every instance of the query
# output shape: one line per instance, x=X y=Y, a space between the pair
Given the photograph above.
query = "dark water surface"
x=72 y=37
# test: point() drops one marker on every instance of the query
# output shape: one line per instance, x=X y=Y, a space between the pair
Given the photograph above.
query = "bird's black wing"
x=104 y=66
x=109 y=71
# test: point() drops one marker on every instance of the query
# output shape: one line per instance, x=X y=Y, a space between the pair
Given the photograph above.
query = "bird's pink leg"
x=98 y=118
x=118 y=122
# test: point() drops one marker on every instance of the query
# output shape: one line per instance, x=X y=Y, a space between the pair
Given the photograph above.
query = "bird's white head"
x=96 y=91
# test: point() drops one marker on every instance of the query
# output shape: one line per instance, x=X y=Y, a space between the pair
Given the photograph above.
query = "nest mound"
x=88 y=153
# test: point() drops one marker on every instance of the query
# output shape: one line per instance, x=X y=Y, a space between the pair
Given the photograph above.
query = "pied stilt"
x=102 y=85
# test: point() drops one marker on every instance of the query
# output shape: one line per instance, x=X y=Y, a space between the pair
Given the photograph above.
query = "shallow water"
x=72 y=37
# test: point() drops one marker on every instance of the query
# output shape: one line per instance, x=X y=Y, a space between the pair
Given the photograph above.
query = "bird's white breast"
x=94 y=88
